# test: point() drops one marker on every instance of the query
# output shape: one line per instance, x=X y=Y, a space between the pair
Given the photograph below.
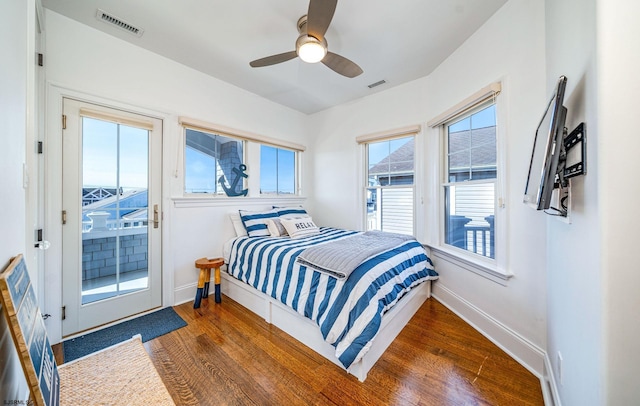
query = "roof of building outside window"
x=401 y=161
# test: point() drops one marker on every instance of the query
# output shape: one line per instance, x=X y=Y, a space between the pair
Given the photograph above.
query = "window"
x=221 y=161
x=469 y=186
x=390 y=187
x=277 y=171
x=213 y=164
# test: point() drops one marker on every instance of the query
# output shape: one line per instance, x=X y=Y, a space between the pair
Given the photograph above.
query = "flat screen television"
x=547 y=147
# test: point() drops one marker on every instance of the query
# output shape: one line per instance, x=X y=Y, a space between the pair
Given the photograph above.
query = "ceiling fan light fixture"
x=311 y=50
x=311 y=45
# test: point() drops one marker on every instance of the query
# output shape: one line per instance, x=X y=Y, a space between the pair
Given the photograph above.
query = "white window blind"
x=199 y=125
x=124 y=118
x=389 y=134
x=465 y=105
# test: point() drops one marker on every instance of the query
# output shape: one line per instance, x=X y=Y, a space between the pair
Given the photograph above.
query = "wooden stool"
x=205 y=266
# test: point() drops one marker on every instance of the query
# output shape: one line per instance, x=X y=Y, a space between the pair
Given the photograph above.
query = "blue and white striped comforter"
x=348 y=311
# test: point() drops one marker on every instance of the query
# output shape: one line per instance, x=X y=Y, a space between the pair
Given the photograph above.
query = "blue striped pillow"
x=256 y=221
x=291 y=212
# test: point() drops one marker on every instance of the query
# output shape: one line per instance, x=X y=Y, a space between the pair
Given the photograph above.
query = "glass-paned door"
x=111 y=190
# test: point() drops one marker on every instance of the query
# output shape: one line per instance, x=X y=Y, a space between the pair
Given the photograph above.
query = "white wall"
x=618 y=64
x=84 y=62
x=574 y=265
x=16 y=18
x=593 y=281
x=581 y=301
x=508 y=48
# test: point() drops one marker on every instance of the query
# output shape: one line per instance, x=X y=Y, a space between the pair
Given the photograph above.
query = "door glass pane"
x=114 y=209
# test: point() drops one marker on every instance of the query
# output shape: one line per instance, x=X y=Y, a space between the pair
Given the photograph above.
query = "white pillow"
x=272 y=228
x=237 y=224
x=275 y=227
x=300 y=227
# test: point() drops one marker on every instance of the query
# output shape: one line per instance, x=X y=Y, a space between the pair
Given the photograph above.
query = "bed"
x=350 y=320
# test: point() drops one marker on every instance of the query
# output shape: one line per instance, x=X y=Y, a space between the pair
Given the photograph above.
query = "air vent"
x=378 y=83
x=118 y=22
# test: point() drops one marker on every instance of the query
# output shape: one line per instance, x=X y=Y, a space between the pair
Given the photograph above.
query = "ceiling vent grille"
x=119 y=23
x=378 y=83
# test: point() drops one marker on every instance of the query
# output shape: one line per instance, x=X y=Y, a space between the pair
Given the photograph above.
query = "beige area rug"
x=122 y=374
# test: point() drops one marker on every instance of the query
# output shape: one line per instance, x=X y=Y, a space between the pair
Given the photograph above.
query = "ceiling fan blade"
x=341 y=65
x=273 y=59
x=319 y=17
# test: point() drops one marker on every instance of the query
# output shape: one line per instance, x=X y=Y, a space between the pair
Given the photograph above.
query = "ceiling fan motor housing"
x=309 y=48
x=312 y=48
x=302 y=24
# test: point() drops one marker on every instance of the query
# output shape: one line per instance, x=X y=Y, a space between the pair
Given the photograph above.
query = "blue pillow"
x=255 y=221
x=291 y=212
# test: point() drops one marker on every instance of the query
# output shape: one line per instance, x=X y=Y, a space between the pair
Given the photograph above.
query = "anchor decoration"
x=231 y=191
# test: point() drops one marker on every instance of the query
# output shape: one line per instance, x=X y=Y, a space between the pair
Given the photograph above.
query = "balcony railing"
x=114 y=224
x=473 y=236
x=479 y=240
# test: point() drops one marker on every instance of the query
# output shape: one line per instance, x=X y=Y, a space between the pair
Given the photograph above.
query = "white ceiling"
x=395 y=41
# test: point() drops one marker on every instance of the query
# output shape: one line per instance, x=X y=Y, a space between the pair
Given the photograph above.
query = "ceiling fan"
x=311 y=46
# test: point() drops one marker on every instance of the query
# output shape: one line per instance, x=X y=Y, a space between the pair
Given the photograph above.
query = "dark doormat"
x=150 y=326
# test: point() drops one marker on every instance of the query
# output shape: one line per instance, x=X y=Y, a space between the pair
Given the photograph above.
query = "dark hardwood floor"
x=228 y=355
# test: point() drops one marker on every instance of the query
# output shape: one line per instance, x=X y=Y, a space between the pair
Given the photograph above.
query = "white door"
x=111 y=193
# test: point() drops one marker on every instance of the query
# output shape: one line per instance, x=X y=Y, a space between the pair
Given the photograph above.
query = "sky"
x=277 y=166
x=483 y=118
x=380 y=150
x=100 y=155
x=102 y=140
x=200 y=171
x=277 y=171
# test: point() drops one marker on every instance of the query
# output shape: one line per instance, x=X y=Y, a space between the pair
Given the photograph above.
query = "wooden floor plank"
x=228 y=355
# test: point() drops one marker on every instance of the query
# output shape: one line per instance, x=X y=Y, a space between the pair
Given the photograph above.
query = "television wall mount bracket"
x=573 y=156
x=572 y=162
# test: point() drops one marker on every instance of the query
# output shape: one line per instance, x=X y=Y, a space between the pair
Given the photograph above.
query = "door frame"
x=80 y=316
x=34 y=162
x=53 y=199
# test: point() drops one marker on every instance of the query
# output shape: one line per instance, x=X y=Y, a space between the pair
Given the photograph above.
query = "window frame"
x=446 y=183
x=217 y=194
x=251 y=144
x=363 y=169
x=296 y=170
x=493 y=269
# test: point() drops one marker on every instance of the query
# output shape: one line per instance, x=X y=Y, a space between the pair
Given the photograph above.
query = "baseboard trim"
x=549 y=386
x=522 y=350
x=184 y=293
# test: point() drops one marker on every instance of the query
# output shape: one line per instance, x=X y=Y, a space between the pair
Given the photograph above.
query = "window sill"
x=477 y=266
x=222 y=201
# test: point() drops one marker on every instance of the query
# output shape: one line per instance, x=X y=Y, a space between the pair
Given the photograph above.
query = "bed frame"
x=308 y=333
